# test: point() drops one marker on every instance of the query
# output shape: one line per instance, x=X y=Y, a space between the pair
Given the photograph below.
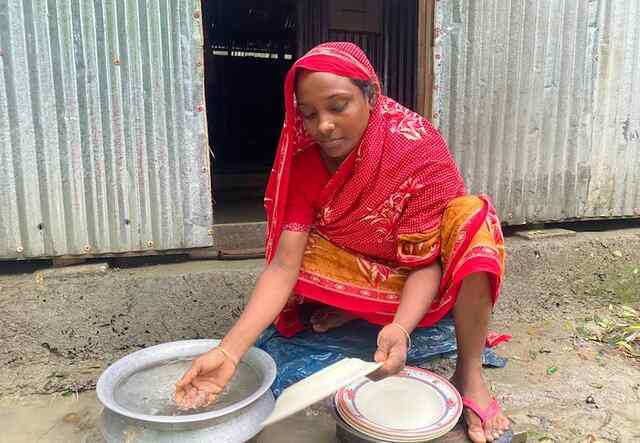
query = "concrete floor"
x=60 y=331
x=75 y=418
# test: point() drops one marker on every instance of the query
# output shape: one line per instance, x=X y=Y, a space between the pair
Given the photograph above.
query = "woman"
x=367 y=218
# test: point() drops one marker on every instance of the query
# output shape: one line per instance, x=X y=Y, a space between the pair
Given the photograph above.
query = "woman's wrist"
x=235 y=348
x=227 y=355
x=407 y=325
x=240 y=339
x=399 y=328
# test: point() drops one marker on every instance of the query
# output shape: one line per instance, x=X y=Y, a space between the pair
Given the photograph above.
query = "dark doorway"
x=249 y=47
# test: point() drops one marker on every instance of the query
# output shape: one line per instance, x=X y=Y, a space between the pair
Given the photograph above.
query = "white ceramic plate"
x=390 y=437
x=318 y=386
x=413 y=404
x=384 y=436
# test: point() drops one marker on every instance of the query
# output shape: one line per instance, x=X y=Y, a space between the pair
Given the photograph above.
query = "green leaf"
x=552 y=370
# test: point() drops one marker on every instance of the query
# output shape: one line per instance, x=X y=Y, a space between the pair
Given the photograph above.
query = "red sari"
x=396 y=203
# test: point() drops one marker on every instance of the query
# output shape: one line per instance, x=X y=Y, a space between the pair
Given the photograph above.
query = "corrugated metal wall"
x=103 y=143
x=540 y=103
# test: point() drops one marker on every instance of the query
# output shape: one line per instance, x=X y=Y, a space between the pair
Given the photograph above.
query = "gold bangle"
x=228 y=355
x=399 y=326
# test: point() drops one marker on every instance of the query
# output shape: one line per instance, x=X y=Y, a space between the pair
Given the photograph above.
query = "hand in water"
x=392 y=351
x=203 y=382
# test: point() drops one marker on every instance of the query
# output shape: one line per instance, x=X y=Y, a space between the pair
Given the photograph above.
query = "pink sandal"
x=487 y=414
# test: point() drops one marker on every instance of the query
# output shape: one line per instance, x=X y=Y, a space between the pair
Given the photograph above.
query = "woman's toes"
x=492 y=432
x=488 y=434
x=477 y=435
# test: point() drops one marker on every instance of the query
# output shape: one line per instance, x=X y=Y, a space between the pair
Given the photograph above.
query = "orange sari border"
x=469 y=241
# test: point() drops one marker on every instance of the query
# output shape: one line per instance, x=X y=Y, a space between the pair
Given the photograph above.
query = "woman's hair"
x=367 y=87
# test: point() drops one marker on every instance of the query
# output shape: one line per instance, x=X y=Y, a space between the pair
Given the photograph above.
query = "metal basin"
x=233 y=423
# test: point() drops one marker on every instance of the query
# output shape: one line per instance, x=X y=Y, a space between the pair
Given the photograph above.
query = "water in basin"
x=151 y=390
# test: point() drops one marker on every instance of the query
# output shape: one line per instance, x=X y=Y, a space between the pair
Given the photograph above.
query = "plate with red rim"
x=379 y=436
x=414 y=404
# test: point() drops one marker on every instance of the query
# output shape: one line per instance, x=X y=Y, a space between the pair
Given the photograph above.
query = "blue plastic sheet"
x=308 y=352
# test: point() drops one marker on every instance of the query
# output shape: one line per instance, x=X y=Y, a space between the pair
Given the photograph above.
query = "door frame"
x=424 y=87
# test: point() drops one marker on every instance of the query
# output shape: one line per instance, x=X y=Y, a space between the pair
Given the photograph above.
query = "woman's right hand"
x=203 y=382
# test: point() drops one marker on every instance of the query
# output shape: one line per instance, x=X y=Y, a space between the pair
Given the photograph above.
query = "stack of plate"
x=414 y=406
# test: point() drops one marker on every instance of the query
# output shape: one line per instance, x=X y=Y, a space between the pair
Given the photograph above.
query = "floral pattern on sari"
x=403 y=120
x=385 y=218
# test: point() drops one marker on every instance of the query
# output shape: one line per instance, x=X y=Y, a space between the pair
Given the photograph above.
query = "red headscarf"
x=398 y=181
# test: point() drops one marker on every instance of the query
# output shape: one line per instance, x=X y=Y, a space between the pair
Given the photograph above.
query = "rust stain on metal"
x=116 y=61
x=200 y=108
x=196 y=14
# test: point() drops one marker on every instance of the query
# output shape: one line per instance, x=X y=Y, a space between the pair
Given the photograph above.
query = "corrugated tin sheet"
x=540 y=103
x=102 y=136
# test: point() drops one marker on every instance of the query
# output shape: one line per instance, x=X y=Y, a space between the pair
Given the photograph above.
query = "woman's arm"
x=270 y=294
x=418 y=293
x=211 y=372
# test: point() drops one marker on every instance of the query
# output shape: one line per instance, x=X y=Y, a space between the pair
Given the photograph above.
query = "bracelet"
x=228 y=355
x=399 y=326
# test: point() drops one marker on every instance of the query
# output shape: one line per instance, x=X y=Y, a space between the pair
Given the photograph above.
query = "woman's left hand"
x=392 y=351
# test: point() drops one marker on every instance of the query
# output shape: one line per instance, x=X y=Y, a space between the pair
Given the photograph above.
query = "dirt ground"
x=559 y=384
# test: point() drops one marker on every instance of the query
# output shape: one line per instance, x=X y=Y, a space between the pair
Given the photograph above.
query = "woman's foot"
x=327 y=317
x=473 y=387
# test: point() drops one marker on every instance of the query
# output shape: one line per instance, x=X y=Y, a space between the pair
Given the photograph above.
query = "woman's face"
x=334 y=110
